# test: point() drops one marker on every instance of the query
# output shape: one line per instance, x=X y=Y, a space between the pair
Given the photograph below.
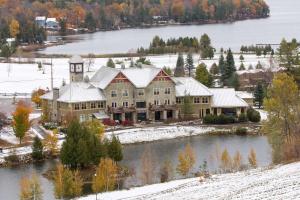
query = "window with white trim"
x=113 y=93
x=125 y=93
x=156 y=91
x=167 y=90
x=141 y=92
x=93 y=105
x=101 y=104
x=204 y=100
x=167 y=101
x=196 y=99
x=178 y=100
x=113 y=104
x=83 y=106
x=76 y=106
x=125 y=104
x=156 y=102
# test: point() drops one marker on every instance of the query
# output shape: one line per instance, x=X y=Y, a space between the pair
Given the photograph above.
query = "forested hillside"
x=17 y=16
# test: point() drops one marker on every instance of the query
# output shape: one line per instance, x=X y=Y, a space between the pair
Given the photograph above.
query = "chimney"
x=55 y=93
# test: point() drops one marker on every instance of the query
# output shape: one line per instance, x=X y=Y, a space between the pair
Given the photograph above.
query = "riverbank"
x=278 y=182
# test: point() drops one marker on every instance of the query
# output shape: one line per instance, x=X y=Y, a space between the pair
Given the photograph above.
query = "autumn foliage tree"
x=36 y=96
x=50 y=143
x=106 y=176
x=186 y=160
x=226 y=161
x=30 y=188
x=21 y=123
x=252 y=158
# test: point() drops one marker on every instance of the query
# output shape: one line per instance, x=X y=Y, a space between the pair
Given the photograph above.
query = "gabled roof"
x=226 y=98
x=189 y=86
x=77 y=92
x=141 y=77
x=103 y=77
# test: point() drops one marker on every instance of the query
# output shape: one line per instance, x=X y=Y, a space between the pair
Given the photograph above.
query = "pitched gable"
x=162 y=76
x=120 y=78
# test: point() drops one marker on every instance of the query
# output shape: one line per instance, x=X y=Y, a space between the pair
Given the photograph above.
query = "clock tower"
x=76 y=69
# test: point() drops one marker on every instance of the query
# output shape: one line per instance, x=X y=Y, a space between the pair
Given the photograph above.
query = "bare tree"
x=90 y=61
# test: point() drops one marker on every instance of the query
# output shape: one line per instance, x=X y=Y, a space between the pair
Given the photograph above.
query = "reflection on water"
x=204 y=146
x=284 y=22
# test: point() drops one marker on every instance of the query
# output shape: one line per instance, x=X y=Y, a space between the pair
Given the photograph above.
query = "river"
x=205 y=147
x=283 y=22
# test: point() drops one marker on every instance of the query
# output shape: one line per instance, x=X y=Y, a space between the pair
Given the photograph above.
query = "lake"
x=205 y=147
x=283 y=22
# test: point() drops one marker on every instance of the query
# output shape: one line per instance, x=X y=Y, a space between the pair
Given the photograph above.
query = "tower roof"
x=76 y=59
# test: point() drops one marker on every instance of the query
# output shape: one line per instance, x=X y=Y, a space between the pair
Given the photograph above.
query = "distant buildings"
x=137 y=94
x=50 y=24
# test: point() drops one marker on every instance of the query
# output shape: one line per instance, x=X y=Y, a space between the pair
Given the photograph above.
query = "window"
x=113 y=93
x=93 y=105
x=156 y=102
x=83 y=106
x=167 y=90
x=156 y=91
x=178 y=100
x=204 y=100
x=125 y=104
x=82 y=118
x=114 y=104
x=125 y=93
x=196 y=99
x=101 y=104
x=141 y=92
x=141 y=104
x=76 y=106
x=167 y=101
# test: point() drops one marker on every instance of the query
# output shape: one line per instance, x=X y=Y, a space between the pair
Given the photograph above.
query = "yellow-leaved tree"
x=226 y=161
x=283 y=124
x=30 y=188
x=252 y=158
x=186 y=159
x=51 y=142
x=14 y=28
x=106 y=176
x=21 y=123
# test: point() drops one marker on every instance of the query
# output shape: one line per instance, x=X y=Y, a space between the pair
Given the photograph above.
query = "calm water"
x=284 y=22
x=205 y=148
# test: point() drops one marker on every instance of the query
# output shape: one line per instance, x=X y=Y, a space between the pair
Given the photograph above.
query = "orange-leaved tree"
x=36 y=96
x=21 y=123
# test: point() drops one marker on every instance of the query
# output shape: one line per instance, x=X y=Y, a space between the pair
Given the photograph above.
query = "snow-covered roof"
x=189 y=86
x=244 y=95
x=77 y=92
x=226 y=98
x=40 y=18
x=101 y=115
x=103 y=77
x=141 y=77
x=76 y=59
x=51 y=20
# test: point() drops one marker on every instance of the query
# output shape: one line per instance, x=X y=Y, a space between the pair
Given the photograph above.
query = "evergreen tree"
x=187 y=106
x=259 y=65
x=189 y=63
x=203 y=76
x=110 y=63
x=206 y=50
x=259 y=94
x=233 y=81
x=229 y=69
x=168 y=70
x=242 y=58
x=242 y=67
x=214 y=69
x=90 y=22
x=115 y=149
x=179 y=70
x=37 y=149
x=222 y=64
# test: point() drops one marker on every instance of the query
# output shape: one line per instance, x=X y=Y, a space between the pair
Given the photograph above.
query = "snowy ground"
x=281 y=182
x=137 y=135
x=24 y=78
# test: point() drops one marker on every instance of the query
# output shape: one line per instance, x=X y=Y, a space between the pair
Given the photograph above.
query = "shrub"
x=109 y=122
x=253 y=115
x=243 y=117
x=127 y=123
x=241 y=131
x=221 y=119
